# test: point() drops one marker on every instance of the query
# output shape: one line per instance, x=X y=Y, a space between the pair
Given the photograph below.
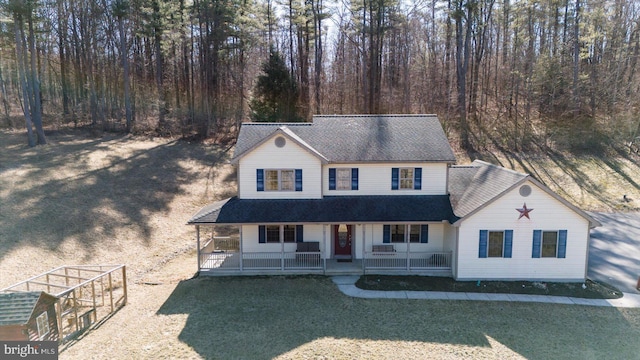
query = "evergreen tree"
x=276 y=93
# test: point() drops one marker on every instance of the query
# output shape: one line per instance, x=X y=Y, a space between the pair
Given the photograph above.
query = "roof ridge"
x=484 y=163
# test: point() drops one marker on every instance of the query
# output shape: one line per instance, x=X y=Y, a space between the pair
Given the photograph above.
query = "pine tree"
x=276 y=93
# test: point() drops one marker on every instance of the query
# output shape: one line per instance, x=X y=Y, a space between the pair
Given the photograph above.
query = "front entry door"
x=342 y=236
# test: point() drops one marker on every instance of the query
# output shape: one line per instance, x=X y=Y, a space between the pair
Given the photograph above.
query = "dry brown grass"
x=113 y=199
x=118 y=199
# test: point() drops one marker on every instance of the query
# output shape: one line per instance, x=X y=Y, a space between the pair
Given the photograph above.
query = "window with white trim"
x=406 y=178
x=495 y=244
x=42 y=321
x=495 y=247
x=274 y=234
x=343 y=179
x=402 y=233
x=279 y=180
x=549 y=244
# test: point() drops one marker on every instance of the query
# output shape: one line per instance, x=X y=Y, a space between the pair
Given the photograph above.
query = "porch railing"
x=410 y=261
x=230 y=260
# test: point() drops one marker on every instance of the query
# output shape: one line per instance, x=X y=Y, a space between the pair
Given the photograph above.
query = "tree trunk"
x=20 y=57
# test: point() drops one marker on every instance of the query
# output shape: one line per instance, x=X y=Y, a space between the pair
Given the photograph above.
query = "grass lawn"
x=591 y=289
x=309 y=318
x=121 y=199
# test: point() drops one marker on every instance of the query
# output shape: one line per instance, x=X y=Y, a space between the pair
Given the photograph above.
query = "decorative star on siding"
x=524 y=211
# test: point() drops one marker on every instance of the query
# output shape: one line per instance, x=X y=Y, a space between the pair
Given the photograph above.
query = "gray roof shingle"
x=16 y=308
x=330 y=209
x=361 y=138
x=473 y=186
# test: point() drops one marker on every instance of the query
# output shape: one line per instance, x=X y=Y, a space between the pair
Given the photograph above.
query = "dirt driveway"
x=614 y=255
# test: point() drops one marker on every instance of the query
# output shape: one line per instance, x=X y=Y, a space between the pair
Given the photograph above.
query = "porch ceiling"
x=330 y=209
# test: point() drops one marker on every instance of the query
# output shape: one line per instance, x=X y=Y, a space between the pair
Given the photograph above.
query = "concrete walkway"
x=347 y=284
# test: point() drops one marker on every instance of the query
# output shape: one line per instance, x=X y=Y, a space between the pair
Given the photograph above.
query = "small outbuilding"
x=28 y=316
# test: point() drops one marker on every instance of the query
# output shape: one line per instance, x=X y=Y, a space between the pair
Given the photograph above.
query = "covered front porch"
x=331 y=235
x=224 y=256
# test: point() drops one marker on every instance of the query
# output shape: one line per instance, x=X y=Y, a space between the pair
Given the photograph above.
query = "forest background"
x=510 y=74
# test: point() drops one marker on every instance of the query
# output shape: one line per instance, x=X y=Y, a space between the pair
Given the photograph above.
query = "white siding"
x=548 y=214
x=251 y=244
x=375 y=179
x=269 y=156
x=324 y=235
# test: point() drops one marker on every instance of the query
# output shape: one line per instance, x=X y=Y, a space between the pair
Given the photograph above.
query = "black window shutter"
x=299 y=233
x=298 y=179
x=260 y=179
x=332 y=178
x=354 y=179
x=395 y=174
x=417 y=179
x=424 y=234
x=386 y=234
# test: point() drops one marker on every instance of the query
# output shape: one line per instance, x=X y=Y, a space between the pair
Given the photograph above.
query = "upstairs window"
x=406 y=178
x=279 y=180
x=343 y=178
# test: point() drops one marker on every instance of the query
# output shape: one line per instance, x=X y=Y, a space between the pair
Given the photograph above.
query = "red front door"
x=342 y=235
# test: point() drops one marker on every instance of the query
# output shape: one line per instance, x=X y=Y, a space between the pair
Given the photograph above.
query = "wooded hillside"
x=506 y=74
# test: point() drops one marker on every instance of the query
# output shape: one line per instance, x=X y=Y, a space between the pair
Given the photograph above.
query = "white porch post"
x=198 y=244
x=408 y=240
x=241 y=251
x=282 y=248
x=364 y=244
x=324 y=248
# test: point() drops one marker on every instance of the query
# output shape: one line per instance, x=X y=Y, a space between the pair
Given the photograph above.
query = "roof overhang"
x=330 y=209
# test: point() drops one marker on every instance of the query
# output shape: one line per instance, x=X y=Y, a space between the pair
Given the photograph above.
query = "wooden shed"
x=28 y=316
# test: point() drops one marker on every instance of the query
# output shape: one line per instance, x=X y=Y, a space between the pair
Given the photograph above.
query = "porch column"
x=408 y=240
x=198 y=244
x=282 y=248
x=324 y=248
x=364 y=243
x=241 y=241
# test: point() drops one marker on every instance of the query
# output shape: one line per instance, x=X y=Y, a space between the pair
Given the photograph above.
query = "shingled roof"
x=360 y=138
x=16 y=308
x=404 y=208
x=473 y=186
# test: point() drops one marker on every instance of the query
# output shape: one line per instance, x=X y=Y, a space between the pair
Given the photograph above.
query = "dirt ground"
x=126 y=200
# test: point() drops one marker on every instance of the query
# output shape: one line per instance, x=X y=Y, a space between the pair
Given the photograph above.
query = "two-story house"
x=381 y=194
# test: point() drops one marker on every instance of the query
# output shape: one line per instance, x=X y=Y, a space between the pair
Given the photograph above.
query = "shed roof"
x=360 y=138
x=16 y=308
x=330 y=209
